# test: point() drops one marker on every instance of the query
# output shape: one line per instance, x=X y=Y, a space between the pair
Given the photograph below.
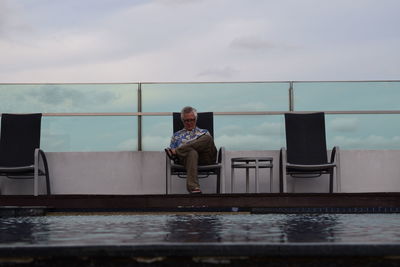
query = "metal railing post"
x=139 y=103
x=291 y=97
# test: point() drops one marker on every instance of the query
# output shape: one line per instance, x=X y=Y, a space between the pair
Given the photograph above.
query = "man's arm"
x=206 y=132
x=175 y=140
x=173 y=144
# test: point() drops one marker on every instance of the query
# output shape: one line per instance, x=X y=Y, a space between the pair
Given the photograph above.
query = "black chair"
x=306 y=155
x=20 y=149
x=205 y=120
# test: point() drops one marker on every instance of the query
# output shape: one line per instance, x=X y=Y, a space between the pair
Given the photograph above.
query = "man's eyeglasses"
x=189 y=120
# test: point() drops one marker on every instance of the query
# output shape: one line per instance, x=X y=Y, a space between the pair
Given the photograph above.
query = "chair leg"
x=293 y=185
x=168 y=179
x=331 y=181
x=46 y=170
x=280 y=178
x=36 y=172
x=282 y=171
x=48 y=184
x=219 y=182
x=271 y=180
x=36 y=182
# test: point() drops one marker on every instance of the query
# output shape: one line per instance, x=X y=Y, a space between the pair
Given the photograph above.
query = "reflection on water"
x=22 y=230
x=316 y=228
x=191 y=228
x=139 y=229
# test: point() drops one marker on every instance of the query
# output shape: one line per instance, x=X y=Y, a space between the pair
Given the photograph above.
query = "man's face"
x=189 y=121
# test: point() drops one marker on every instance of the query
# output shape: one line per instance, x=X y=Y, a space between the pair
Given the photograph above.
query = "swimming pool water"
x=216 y=228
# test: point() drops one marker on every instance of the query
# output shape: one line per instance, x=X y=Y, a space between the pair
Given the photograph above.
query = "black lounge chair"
x=20 y=149
x=306 y=155
x=205 y=120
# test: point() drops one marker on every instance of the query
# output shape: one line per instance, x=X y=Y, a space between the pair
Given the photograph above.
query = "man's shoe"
x=195 y=191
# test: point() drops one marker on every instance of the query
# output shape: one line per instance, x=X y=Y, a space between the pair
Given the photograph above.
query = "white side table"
x=251 y=163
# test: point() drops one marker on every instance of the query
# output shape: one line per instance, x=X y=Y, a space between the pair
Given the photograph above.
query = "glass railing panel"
x=328 y=96
x=156 y=132
x=250 y=132
x=235 y=132
x=68 y=98
x=170 y=97
x=256 y=132
x=89 y=133
x=366 y=131
x=267 y=132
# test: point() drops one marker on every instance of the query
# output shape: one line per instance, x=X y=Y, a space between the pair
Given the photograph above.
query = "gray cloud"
x=249 y=141
x=3 y=16
x=197 y=40
x=177 y=2
x=59 y=98
x=251 y=43
x=269 y=128
x=13 y=24
x=345 y=124
x=223 y=72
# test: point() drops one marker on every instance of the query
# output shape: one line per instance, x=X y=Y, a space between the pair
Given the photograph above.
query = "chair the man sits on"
x=20 y=151
x=306 y=153
x=205 y=120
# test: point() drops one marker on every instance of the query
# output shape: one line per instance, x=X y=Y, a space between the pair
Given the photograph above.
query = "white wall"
x=370 y=171
x=144 y=173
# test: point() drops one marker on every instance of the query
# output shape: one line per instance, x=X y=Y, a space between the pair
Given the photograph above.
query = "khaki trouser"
x=201 y=151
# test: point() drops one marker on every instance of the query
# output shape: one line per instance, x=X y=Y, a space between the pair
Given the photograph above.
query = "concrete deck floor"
x=256 y=203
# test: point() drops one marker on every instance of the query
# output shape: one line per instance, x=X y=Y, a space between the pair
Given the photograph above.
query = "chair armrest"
x=282 y=157
x=335 y=158
x=45 y=165
x=168 y=161
x=221 y=155
x=39 y=154
x=334 y=154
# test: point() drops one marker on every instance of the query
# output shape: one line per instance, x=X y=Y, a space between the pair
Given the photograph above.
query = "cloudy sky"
x=198 y=40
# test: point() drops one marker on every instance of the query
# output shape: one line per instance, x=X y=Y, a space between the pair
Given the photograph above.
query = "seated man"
x=192 y=146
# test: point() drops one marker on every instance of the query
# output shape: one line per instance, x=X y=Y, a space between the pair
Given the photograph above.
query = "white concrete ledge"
x=133 y=172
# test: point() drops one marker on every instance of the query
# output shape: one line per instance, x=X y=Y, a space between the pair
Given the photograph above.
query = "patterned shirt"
x=184 y=136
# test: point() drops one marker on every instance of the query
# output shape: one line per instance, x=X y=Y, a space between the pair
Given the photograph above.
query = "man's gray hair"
x=188 y=109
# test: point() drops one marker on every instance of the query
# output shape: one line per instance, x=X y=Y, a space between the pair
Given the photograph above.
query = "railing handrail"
x=231 y=113
x=199 y=82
